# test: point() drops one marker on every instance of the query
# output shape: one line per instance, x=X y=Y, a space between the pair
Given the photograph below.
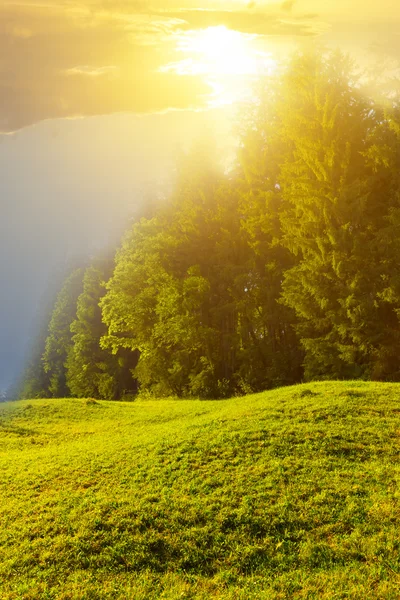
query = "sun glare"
x=220 y=51
x=226 y=59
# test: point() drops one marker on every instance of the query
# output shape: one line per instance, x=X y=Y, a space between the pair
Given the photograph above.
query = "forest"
x=280 y=269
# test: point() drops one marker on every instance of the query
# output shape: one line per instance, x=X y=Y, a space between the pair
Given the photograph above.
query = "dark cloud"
x=67 y=60
x=63 y=59
x=67 y=65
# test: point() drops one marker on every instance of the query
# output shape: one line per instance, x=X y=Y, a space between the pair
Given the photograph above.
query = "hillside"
x=291 y=493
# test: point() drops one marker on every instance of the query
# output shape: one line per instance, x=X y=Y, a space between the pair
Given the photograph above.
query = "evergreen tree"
x=151 y=309
x=59 y=339
x=91 y=370
x=34 y=381
x=243 y=279
x=338 y=191
x=186 y=293
x=274 y=355
x=160 y=300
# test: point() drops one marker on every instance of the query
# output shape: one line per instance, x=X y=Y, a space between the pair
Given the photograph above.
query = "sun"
x=220 y=51
x=225 y=58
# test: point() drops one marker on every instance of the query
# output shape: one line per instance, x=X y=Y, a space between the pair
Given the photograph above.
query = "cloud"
x=64 y=59
x=255 y=22
x=87 y=71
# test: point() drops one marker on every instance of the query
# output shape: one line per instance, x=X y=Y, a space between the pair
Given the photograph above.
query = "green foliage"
x=34 y=382
x=339 y=187
x=287 y=494
x=299 y=244
x=196 y=297
x=59 y=339
x=286 y=267
x=157 y=304
x=272 y=347
x=92 y=371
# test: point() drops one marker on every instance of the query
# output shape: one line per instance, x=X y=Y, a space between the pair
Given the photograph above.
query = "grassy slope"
x=288 y=494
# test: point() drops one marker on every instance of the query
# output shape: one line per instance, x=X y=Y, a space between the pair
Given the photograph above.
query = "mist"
x=69 y=189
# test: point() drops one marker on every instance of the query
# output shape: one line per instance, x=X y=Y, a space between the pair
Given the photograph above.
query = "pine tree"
x=161 y=300
x=149 y=310
x=191 y=294
x=33 y=382
x=273 y=352
x=59 y=339
x=90 y=370
x=338 y=195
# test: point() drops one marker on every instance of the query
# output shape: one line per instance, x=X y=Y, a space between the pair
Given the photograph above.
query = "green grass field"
x=292 y=493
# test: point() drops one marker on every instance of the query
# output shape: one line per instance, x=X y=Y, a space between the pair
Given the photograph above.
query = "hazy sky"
x=96 y=96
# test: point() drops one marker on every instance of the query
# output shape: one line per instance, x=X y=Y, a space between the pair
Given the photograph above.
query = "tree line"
x=284 y=268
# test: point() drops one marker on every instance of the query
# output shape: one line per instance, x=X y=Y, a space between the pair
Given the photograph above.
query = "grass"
x=292 y=493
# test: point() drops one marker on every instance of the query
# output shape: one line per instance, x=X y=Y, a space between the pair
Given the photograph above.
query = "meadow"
x=291 y=493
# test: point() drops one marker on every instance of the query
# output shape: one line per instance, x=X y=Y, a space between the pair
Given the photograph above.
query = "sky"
x=98 y=96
